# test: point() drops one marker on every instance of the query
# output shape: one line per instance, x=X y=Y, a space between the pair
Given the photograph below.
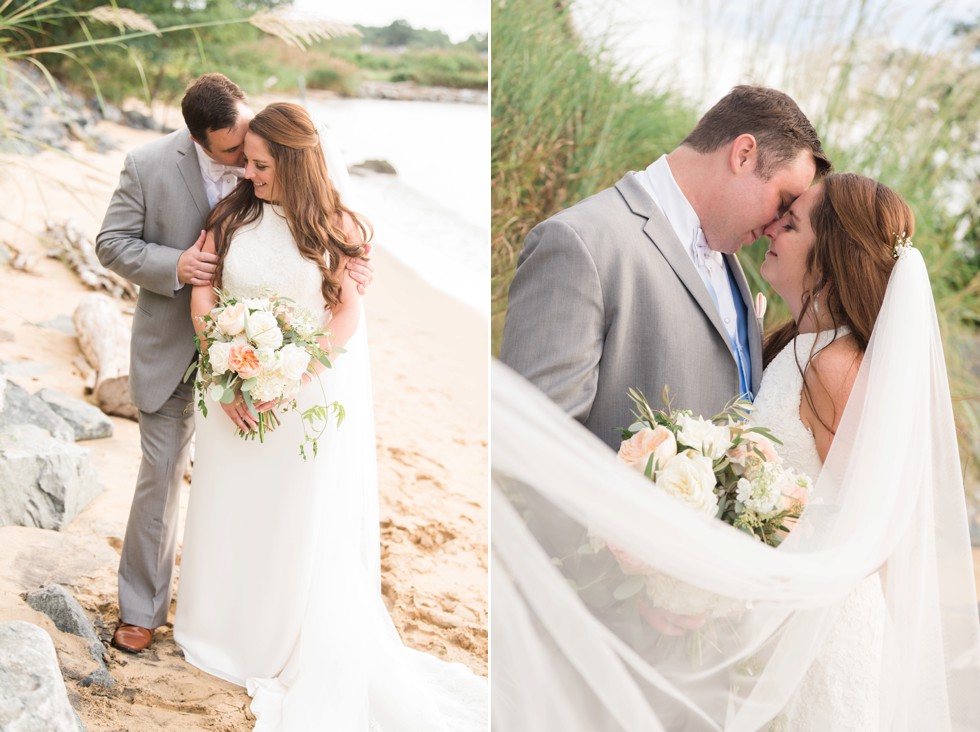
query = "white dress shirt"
x=219 y=180
x=659 y=183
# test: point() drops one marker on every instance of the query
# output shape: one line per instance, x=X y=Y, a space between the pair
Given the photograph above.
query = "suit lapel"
x=753 y=323
x=190 y=172
x=660 y=232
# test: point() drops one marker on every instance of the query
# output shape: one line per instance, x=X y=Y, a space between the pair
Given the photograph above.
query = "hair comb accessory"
x=902 y=244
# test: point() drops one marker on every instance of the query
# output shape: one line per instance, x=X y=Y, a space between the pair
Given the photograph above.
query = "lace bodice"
x=264 y=255
x=841 y=689
x=777 y=405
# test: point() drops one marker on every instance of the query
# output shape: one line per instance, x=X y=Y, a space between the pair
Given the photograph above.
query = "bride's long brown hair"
x=855 y=223
x=307 y=198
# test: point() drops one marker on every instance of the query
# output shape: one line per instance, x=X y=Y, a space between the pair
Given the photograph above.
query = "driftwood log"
x=103 y=337
x=78 y=253
x=17 y=259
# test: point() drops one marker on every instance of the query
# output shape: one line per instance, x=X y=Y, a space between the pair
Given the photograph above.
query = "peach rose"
x=244 y=361
x=797 y=494
x=627 y=562
x=659 y=441
x=231 y=320
x=746 y=449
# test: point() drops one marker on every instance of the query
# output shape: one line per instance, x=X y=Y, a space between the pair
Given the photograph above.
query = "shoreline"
x=430 y=371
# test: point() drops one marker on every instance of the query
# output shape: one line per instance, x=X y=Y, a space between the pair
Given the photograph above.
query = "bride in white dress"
x=280 y=578
x=865 y=618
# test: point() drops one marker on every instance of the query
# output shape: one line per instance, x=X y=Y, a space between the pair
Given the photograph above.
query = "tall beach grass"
x=564 y=125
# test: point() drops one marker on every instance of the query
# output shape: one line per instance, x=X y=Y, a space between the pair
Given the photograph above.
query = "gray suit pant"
x=146 y=568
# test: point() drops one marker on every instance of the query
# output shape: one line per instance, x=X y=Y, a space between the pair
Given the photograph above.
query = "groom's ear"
x=743 y=153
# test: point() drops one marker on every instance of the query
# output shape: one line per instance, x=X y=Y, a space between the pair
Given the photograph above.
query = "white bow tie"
x=217 y=170
x=704 y=255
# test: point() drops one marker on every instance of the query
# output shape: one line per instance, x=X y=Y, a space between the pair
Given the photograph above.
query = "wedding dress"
x=841 y=689
x=884 y=537
x=280 y=573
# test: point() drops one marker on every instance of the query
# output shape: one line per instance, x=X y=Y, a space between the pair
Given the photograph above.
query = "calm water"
x=435 y=215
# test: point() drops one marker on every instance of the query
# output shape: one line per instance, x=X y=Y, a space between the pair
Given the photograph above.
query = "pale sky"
x=705 y=47
x=457 y=18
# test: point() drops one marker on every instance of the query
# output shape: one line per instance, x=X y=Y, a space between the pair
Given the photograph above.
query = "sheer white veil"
x=567 y=654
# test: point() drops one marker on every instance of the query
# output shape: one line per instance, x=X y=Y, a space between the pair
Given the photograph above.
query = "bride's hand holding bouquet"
x=254 y=356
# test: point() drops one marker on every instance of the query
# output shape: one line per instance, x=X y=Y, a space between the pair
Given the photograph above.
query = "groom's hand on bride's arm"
x=361 y=270
x=196 y=266
x=668 y=623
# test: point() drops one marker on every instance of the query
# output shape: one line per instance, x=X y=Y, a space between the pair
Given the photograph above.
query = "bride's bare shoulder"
x=829 y=379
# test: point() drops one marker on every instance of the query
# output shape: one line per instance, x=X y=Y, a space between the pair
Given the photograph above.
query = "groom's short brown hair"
x=210 y=103
x=780 y=128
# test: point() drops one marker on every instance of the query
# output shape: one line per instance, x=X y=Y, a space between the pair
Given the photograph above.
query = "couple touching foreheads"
x=865 y=617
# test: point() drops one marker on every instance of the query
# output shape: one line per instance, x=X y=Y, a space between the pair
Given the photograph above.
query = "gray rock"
x=33 y=697
x=24 y=368
x=62 y=324
x=59 y=605
x=374 y=166
x=68 y=616
x=87 y=421
x=46 y=482
x=100 y=677
x=20 y=407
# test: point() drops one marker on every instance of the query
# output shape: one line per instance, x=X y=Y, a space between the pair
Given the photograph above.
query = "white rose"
x=689 y=477
x=265 y=329
x=702 y=435
x=294 y=361
x=218 y=354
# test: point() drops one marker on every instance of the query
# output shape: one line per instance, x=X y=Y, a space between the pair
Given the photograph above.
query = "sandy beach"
x=430 y=372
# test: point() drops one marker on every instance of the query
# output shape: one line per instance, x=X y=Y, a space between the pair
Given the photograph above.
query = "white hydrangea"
x=269 y=385
x=761 y=493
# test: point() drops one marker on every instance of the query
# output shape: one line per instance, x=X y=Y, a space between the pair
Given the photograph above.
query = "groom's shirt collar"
x=659 y=183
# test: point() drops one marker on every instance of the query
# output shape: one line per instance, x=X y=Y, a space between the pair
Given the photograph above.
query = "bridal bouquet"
x=261 y=348
x=723 y=468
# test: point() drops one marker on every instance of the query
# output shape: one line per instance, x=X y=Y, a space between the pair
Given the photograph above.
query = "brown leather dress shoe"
x=132 y=638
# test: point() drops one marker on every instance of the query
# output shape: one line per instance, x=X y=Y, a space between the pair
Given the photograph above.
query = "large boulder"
x=20 y=407
x=69 y=617
x=87 y=421
x=46 y=482
x=33 y=697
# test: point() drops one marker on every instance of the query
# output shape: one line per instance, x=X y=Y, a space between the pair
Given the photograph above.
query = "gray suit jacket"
x=604 y=299
x=156 y=212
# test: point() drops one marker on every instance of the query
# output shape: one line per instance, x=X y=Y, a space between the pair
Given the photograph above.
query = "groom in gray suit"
x=152 y=235
x=639 y=287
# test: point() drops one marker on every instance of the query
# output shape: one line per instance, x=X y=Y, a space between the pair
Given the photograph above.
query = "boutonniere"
x=760 y=306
